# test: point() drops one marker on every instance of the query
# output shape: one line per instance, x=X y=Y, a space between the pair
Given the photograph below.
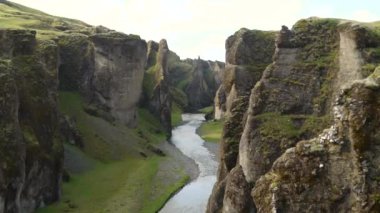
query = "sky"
x=200 y=27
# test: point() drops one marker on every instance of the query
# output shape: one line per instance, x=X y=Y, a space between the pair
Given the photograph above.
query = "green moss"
x=179 y=97
x=149 y=82
x=74 y=51
x=176 y=115
x=211 y=131
x=367 y=69
x=276 y=126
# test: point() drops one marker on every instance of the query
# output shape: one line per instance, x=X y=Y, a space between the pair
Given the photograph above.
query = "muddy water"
x=193 y=197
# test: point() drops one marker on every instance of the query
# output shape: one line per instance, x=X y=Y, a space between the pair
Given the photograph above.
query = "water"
x=194 y=196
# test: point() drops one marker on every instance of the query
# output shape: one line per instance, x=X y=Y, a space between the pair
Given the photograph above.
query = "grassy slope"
x=121 y=180
x=13 y=15
x=211 y=131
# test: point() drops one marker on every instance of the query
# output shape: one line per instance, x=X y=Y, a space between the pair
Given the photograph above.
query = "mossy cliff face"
x=193 y=82
x=107 y=67
x=118 y=74
x=206 y=76
x=338 y=170
x=293 y=100
x=31 y=152
x=248 y=53
x=156 y=83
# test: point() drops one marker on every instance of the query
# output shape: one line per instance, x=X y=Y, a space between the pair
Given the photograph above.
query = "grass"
x=118 y=186
x=120 y=180
x=207 y=110
x=16 y=16
x=158 y=203
x=277 y=126
x=211 y=131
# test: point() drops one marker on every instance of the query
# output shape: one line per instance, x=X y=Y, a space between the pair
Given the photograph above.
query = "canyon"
x=299 y=107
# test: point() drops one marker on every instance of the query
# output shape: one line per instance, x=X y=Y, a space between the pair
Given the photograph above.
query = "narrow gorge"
x=96 y=120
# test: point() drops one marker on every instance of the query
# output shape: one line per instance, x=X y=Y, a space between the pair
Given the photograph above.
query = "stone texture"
x=107 y=68
x=248 y=53
x=206 y=76
x=293 y=102
x=118 y=74
x=159 y=100
x=336 y=171
x=32 y=154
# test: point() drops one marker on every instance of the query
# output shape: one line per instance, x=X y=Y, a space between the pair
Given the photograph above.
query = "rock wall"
x=338 y=170
x=248 y=53
x=293 y=101
x=30 y=148
x=108 y=69
x=193 y=82
x=157 y=83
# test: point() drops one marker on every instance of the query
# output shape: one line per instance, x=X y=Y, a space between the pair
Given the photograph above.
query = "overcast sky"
x=200 y=27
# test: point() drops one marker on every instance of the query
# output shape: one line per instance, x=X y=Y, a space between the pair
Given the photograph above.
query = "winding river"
x=194 y=196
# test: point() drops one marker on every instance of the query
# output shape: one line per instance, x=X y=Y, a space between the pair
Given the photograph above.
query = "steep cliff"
x=108 y=69
x=204 y=81
x=194 y=82
x=156 y=83
x=30 y=147
x=248 y=53
x=338 y=170
x=292 y=102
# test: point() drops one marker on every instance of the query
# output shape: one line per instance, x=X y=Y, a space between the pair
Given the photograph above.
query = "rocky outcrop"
x=108 y=69
x=156 y=83
x=248 y=53
x=203 y=84
x=293 y=102
x=118 y=74
x=30 y=148
x=193 y=82
x=336 y=171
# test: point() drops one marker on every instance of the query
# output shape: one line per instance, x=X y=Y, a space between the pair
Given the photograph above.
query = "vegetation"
x=277 y=126
x=207 y=110
x=16 y=16
x=121 y=179
x=211 y=131
x=176 y=115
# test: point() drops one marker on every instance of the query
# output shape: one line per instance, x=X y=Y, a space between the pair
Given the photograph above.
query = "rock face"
x=118 y=74
x=205 y=79
x=157 y=84
x=193 y=82
x=248 y=53
x=108 y=69
x=31 y=151
x=336 y=171
x=293 y=101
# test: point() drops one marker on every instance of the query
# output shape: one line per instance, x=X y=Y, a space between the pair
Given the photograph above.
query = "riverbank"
x=189 y=142
x=115 y=171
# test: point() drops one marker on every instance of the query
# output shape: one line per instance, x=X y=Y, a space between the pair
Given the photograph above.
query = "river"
x=194 y=196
